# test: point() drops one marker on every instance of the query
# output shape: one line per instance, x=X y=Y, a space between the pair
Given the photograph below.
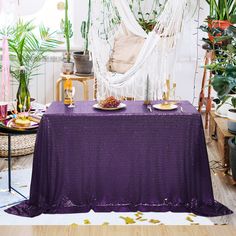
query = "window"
x=48 y=12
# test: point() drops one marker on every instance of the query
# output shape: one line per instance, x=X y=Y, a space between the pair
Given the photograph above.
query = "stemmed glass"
x=71 y=95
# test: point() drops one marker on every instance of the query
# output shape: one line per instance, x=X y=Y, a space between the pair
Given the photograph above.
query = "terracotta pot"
x=222 y=24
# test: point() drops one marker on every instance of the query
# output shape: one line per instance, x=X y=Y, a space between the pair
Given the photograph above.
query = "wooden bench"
x=218 y=130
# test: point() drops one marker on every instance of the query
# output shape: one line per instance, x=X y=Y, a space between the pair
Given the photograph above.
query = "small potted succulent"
x=83 y=59
x=68 y=65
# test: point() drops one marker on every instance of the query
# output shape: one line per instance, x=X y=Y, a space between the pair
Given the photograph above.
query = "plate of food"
x=165 y=106
x=109 y=104
x=22 y=123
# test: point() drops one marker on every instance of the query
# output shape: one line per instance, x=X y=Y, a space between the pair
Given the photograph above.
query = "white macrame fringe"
x=155 y=60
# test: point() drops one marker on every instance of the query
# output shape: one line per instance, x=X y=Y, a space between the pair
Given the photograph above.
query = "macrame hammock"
x=155 y=61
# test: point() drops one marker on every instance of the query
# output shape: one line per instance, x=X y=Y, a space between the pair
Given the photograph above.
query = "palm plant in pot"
x=27 y=51
x=82 y=59
x=222 y=14
x=68 y=65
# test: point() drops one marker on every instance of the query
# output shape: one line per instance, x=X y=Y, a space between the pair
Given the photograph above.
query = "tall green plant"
x=85 y=28
x=67 y=30
x=223 y=10
x=27 y=47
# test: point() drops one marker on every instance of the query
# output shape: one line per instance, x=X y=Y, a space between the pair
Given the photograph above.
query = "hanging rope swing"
x=155 y=57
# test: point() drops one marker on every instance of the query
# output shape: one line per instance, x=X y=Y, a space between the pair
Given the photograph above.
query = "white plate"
x=121 y=106
x=170 y=107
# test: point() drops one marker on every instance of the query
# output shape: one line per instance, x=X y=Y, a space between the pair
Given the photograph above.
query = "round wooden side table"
x=9 y=132
x=81 y=78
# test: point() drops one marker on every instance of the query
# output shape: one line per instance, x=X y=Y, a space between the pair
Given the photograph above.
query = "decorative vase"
x=83 y=63
x=232 y=157
x=23 y=94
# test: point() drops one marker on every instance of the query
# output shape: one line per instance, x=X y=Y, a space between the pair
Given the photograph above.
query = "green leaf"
x=233 y=100
x=233 y=19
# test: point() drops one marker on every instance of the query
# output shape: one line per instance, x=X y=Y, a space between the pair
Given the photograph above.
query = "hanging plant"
x=147 y=20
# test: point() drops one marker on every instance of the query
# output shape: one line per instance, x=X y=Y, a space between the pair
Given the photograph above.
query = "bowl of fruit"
x=110 y=104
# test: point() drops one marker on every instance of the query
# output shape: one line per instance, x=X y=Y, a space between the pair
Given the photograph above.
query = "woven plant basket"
x=21 y=145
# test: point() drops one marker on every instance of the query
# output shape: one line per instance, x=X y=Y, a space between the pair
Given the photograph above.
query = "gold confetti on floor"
x=128 y=220
x=143 y=220
x=74 y=225
x=106 y=223
x=188 y=218
x=87 y=222
x=152 y=221
x=192 y=214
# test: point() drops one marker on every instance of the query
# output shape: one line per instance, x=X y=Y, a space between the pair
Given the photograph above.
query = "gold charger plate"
x=165 y=107
x=121 y=106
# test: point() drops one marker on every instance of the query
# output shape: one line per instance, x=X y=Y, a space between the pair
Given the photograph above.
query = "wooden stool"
x=207 y=101
x=75 y=77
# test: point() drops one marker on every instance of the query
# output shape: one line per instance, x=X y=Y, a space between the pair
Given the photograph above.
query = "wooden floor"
x=223 y=191
x=118 y=231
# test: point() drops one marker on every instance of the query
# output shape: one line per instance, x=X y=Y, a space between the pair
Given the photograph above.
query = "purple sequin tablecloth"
x=126 y=160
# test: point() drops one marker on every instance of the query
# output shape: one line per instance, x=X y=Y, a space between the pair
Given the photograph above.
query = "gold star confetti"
x=74 y=225
x=87 y=222
x=128 y=220
x=192 y=214
x=143 y=220
x=188 y=218
x=106 y=223
x=139 y=212
x=154 y=221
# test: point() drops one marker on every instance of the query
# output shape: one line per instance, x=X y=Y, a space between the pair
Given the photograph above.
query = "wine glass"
x=71 y=95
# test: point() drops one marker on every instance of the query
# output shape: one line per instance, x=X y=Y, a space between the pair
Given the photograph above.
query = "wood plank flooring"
x=118 y=230
x=224 y=192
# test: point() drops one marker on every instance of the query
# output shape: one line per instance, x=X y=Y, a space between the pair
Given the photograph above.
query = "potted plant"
x=224 y=70
x=82 y=59
x=224 y=83
x=232 y=156
x=222 y=14
x=147 y=20
x=27 y=50
x=68 y=65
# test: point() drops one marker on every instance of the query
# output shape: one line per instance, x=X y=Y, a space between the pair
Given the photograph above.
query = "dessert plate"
x=12 y=124
x=121 y=106
x=165 y=107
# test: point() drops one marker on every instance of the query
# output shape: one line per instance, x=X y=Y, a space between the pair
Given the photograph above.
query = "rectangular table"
x=126 y=160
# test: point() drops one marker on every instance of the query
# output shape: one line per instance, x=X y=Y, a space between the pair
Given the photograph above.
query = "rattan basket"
x=21 y=145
